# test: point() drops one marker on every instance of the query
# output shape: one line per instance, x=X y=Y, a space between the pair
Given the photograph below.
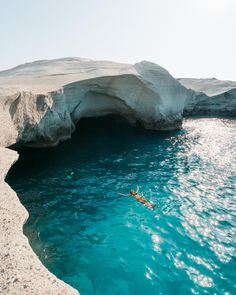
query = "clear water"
x=102 y=243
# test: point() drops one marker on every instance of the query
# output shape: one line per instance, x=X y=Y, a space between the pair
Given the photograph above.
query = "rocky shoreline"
x=40 y=104
x=21 y=272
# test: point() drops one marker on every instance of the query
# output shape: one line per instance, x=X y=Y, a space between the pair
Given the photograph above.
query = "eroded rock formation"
x=210 y=97
x=41 y=102
x=21 y=270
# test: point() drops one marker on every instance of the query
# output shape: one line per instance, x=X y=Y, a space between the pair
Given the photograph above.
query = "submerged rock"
x=41 y=102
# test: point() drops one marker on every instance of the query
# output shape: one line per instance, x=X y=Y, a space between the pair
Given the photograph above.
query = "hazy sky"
x=190 y=38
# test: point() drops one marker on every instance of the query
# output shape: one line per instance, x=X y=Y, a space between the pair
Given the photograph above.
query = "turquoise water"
x=102 y=243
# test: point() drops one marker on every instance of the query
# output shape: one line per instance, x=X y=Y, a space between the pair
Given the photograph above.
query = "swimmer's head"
x=132 y=192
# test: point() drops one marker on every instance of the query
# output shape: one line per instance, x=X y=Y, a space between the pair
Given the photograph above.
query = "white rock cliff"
x=41 y=102
x=40 y=105
x=210 y=97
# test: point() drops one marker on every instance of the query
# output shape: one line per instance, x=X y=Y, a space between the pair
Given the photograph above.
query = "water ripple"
x=102 y=243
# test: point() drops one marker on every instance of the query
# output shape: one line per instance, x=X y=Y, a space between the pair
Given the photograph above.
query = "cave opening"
x=112 y=130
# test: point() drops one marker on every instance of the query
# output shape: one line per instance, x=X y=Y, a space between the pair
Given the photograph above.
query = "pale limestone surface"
x=41 y=102
x=21 y=272
x=210 y=97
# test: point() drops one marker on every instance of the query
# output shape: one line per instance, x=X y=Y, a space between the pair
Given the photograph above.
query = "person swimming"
x=139 y=198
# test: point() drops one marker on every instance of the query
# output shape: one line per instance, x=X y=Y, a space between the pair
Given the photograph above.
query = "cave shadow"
x=113 y=136
x=112 y=126
x=94 y=140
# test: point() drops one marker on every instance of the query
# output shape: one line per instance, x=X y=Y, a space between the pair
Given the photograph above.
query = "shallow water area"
x=103 y=243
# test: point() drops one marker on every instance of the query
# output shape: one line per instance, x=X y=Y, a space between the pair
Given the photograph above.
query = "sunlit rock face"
x=210 y=97
x=41 y=102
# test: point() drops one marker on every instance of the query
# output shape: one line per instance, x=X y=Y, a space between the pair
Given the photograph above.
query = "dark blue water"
x=102 y=243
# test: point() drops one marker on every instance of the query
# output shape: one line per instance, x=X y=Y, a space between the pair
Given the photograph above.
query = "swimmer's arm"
x=126 y=195
x=137 y=189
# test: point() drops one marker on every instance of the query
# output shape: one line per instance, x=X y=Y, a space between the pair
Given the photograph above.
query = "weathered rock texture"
x=41 y=102
x=210 y=97
x=21 y=272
